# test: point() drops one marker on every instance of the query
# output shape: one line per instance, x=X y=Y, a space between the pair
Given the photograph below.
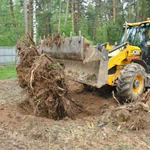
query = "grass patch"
x=7 y=72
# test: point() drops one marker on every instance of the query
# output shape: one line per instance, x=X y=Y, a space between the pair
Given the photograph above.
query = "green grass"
x=7 y=72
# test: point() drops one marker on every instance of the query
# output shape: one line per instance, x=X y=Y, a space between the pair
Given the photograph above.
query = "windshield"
x=137 y=35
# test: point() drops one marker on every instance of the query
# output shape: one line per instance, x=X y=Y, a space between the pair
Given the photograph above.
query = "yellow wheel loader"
x=126 y=66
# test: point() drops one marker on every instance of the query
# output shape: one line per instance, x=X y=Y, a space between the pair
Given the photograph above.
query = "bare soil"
x=95 y=128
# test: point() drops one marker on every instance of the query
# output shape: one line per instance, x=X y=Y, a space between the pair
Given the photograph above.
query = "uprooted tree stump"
x=132 y=116
x=45 y=83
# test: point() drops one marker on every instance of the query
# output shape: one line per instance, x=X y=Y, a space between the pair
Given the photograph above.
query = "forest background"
x=98 y=20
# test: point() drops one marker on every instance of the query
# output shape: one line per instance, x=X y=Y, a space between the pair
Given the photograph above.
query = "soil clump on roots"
x=44 y=81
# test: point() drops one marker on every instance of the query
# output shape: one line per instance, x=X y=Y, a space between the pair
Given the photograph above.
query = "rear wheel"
x=131 y=83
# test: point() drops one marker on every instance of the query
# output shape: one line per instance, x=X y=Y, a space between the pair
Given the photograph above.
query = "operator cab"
x=138 y=34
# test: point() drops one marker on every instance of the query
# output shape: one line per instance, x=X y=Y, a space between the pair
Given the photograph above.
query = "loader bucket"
x=83 y=62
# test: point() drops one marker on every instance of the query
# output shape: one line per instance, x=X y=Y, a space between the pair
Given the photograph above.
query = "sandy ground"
x=89 y=131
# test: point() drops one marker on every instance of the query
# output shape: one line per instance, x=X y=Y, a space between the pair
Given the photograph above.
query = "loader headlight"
x=135 y=52
x=148 y=43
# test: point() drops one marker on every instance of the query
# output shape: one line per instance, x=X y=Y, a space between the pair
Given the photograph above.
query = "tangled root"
x=44 y=81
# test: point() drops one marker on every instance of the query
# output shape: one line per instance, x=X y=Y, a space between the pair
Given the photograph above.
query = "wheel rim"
x=137 y=84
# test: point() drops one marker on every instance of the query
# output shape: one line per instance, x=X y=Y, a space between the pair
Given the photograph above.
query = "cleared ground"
x=91 y=130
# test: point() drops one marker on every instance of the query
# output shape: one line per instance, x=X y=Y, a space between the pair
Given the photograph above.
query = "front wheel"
x=131 y=83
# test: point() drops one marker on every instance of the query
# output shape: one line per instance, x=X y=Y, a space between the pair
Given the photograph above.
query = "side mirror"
x=98 y=46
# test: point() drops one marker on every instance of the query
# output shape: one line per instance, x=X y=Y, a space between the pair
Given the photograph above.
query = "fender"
x=142 y=63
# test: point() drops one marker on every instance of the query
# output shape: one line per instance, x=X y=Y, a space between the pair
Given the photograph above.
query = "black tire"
x=131 y=83
x=89 y=88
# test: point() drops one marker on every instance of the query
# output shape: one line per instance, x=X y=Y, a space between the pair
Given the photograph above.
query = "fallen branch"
x=113 y=93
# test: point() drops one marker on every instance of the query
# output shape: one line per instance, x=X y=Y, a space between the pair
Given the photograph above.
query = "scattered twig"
x=136 y=121
x=113 y=93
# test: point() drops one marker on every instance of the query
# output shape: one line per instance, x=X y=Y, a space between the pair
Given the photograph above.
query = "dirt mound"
x=45 y=83
x=133 y=116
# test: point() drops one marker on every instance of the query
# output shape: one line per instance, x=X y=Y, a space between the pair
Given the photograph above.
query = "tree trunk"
x=30 y=20
x=45 y=25
x=34 y=20
x=13 y=16
x=79 y=15
x=59 y=16
x=114 y=10
x=143 y=6
x=12 y=13
x=72 y=12
x=25 y=18
x=66 y=16
x=100 y=14
x=129 y=11
x=137 y=11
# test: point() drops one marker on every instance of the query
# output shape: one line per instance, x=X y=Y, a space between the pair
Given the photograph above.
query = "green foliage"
x=7 y=72
x=57 y=64
x=101 y=34
x=53 y=66
x=10 y=29
x=66 y=29
x=38 y=100
x=114 y=32
x=95 y=20
x=83 y=27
